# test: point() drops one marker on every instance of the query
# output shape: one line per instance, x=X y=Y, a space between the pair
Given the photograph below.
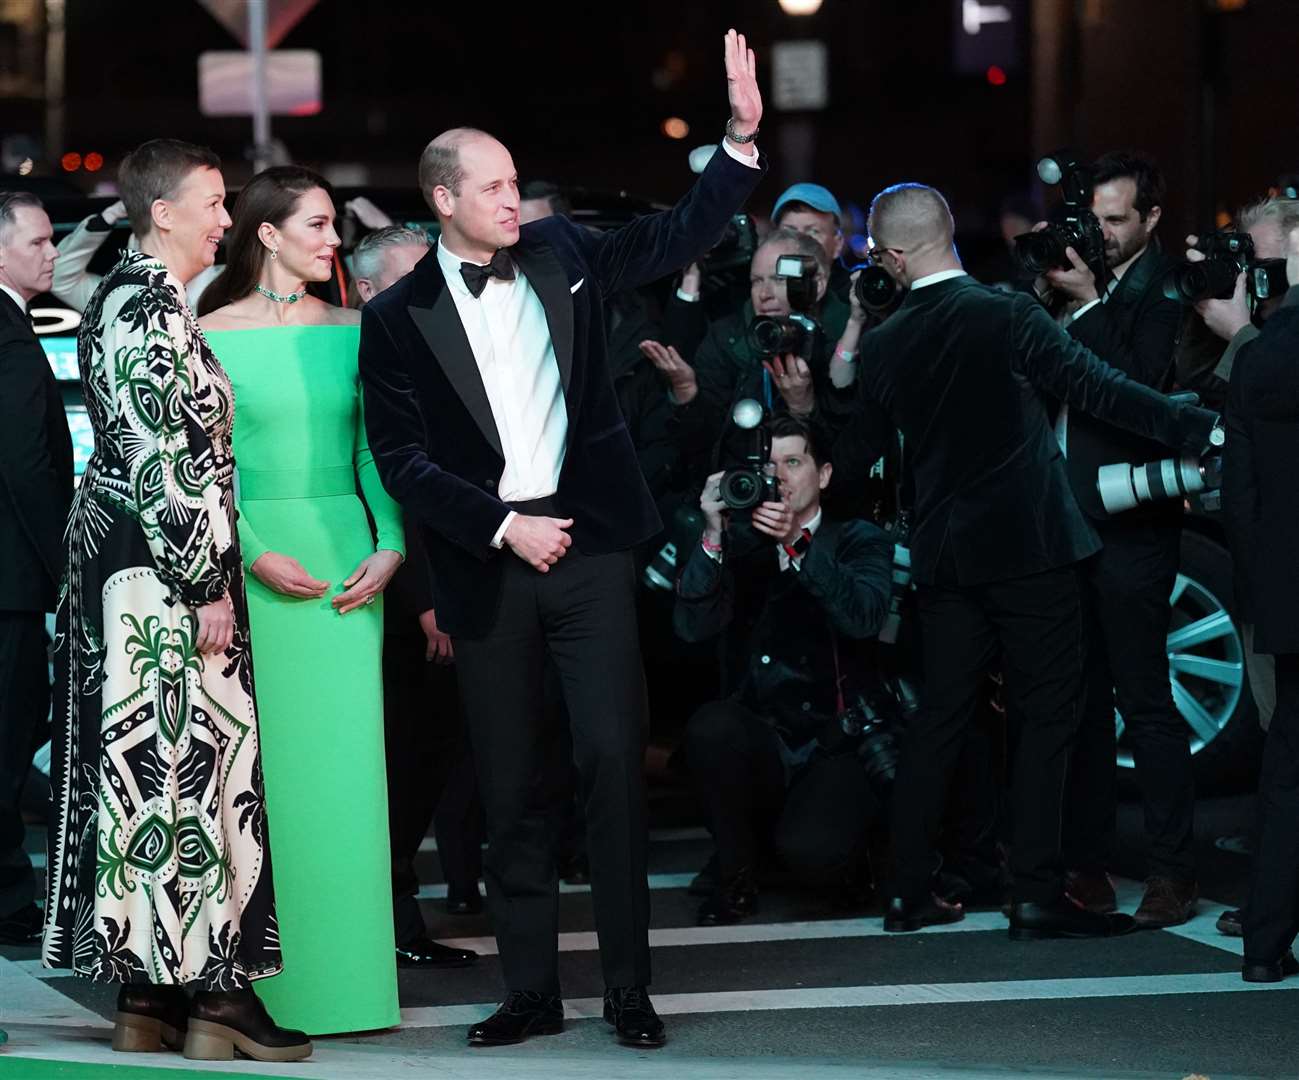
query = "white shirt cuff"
x=689 y=298
x=499 y=538
x=751 y=160
x=1084 y=309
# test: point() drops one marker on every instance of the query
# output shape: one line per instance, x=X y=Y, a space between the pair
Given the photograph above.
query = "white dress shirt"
x=797 y=561
x=934 y=279
x=510 y=339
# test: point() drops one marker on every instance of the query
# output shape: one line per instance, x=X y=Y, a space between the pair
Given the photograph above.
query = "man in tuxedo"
x=35 y=491
x=1126 y=319
x=492 y=419
x=995 y=544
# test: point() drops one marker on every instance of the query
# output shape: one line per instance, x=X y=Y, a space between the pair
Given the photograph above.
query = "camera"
x=798 y=332
x=1076 y=226
x=683 y=534
x=1123 y=487
x=876 y=291
x=749 y=482
x=870 y=721
x=901 y=580
x=1226 y=256
x=734 y=251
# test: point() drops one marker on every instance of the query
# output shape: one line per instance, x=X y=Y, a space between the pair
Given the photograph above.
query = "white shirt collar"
x=15 y=296
x=934 y=279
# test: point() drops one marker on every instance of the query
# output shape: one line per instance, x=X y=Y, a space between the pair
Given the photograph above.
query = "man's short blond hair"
x=911 y=217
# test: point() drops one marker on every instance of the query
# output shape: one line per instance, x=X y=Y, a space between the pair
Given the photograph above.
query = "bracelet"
x=846 y=355
x=731 y=134
x=709 y=546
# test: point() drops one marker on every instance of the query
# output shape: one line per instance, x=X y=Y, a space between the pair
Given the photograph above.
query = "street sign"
x=281 y=17
x=225 y=82
x=800 y=75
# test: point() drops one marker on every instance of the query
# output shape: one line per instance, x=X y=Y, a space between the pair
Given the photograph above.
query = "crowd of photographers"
x=788 y=650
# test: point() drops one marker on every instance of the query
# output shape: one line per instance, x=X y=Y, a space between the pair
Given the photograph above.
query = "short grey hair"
x=368 y=254
x=1285 y=212
x=10 y=202
x=802 y=244
x=439 y=165
x=911 y=216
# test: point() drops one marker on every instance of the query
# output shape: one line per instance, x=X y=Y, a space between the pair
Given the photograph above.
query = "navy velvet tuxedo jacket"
x=430 y=424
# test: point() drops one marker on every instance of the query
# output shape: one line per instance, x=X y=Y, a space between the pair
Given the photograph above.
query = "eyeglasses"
x=877 y=249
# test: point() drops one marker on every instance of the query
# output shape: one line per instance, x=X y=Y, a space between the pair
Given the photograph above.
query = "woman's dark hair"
x=270 y=196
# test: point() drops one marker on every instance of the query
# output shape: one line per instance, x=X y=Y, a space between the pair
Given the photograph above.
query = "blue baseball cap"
x=813 y=195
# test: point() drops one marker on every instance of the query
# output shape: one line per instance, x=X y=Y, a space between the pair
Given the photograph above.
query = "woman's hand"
x=285 y=575
x=367 y=581
x=216 y=626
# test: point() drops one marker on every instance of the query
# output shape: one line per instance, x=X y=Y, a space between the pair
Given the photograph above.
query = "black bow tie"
x=476 y=276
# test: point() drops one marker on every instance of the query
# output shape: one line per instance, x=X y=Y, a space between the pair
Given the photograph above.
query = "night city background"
x=581 y=92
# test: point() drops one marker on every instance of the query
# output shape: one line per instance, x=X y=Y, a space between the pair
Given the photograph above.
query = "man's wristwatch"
x=735 y=136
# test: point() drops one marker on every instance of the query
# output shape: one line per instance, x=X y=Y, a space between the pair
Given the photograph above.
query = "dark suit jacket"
x=1135 y=331
x=959 y=369
x=430 y=424
x=35 y=468
x=1259 y=505
x=778 y=652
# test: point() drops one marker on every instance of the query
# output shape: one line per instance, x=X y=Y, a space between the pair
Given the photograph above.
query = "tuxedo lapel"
x=434 y=313
x=546 y=275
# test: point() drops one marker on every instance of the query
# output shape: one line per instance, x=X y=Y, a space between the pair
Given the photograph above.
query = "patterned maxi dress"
x=159 y=865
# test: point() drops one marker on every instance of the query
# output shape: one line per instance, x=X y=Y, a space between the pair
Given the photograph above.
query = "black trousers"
x=818 y=819
x=425 y=744
x=582 y=615
x=1035 y=625
x=24 y=714
x=1126 y=612
x=1271 y=917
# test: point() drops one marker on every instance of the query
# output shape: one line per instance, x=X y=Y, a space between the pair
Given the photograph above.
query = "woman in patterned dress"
x=159 y=866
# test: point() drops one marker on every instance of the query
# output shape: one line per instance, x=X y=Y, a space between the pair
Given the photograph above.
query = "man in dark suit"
x=1126 y=320
x=995 y=544
x=1259 y=489
x=35 y=490
x=493 y=420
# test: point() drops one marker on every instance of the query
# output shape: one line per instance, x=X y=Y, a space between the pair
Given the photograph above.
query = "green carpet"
x=19 y=1068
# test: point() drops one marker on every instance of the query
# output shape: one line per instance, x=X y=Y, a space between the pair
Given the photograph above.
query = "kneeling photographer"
x=802 y=750
x=1113 y=302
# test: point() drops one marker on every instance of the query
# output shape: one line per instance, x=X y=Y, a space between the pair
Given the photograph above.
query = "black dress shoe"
x=464 y=900
x=1064 y=918
x=221 y=1022
x=23 y=927
x=735 y=900
x=423 y=953
x=1229 y=923
x=150 y=1017
x=524 y=1013
x=1270 y=971
x=902 y=915
x=632 y=1015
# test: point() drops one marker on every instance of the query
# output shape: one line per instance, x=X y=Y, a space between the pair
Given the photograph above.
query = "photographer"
x=731 y=365
x=1258 y=493
x=789 y=594
x=995 y=543
x=1120 y=313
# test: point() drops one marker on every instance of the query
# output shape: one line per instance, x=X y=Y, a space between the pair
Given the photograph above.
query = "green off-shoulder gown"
x=300 y=454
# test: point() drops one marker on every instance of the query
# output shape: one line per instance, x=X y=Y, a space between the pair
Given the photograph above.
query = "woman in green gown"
x=314 y=598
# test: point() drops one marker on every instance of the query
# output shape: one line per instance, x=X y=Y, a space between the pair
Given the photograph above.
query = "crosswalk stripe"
x=858 y=997
x=657 y=836
x=656 y=881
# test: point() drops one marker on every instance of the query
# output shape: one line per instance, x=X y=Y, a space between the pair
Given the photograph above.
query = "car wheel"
x=1206 y=669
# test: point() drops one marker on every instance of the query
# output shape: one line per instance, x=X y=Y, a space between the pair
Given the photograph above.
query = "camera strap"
x=838 y=674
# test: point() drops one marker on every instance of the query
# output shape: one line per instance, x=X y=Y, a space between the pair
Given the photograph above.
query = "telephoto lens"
x=1123 y=487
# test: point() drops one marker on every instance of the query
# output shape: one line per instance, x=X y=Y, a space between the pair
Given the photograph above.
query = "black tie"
x=476 y=276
